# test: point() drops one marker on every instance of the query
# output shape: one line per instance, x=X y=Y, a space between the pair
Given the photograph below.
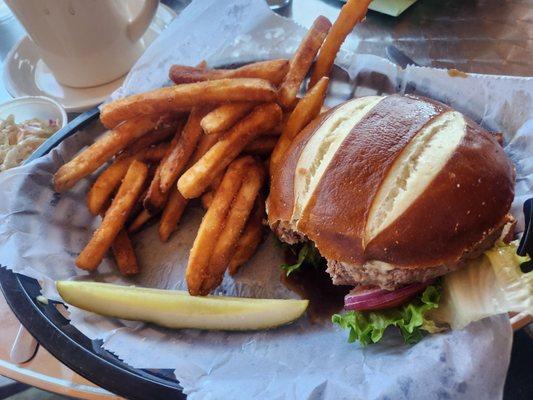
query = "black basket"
x=54 y=332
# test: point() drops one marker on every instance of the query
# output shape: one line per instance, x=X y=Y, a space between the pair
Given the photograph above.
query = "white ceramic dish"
x=28 y=107
x=25 y=74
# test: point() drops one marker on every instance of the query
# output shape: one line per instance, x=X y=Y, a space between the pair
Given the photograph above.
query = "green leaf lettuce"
x=488 y=285
x=307 y=255
x=368 y=327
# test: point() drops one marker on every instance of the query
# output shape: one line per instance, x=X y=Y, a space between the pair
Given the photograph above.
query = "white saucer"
x=25 y=74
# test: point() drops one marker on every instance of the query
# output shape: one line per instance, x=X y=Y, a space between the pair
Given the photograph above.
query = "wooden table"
x=43 y=370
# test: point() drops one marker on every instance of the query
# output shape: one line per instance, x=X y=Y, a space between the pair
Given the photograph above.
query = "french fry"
x=207 y=199
x=124 y=254
x=158 y=135
x=105 y=185
x=250 y=238
x=102 y=150
x=138 y=207
x=202 y=65
x=233 y=227
x=176 y=202
x=351 y=13
x=155 y=199
x=172 y=214
x=261 y=146
x=110 y=179
x=218 y=179
x=225 y=116
x=181 y=74
x=212 y=225
x=276 y=131
x=197 y=178
x=114 y=218
x=301 y=62
x=306 y=110
x=185 y=97
x=272 y=70
x=152 y=154
x=204 y=144
x=181 y=150
x=140 y=220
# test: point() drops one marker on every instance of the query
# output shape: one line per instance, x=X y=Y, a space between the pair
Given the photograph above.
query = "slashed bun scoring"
x=392 y=190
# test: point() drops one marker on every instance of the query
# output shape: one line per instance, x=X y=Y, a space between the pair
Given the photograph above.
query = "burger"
x=393 y=192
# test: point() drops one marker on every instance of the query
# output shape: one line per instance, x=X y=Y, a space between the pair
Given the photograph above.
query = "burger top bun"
x=401 y=180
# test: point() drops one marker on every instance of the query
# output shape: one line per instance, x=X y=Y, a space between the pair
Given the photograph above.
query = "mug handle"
x=140 y=24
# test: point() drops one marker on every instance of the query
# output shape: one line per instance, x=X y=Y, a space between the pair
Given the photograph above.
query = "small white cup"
x=29 y=107
x=85 y=42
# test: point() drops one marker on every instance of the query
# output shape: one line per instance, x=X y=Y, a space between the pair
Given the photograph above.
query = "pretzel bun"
x=392 y=190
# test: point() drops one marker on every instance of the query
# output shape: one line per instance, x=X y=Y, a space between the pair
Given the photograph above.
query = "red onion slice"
x=373 y=298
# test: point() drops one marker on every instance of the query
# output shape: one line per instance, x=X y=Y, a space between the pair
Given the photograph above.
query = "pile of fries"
x=208 y=137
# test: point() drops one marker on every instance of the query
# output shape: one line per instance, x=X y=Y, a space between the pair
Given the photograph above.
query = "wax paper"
x=42 y=232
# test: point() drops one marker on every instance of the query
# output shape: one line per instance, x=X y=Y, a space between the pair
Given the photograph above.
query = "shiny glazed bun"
x=392 y=190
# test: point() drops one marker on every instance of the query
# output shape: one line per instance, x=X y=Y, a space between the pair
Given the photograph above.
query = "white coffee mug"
x=85 y=42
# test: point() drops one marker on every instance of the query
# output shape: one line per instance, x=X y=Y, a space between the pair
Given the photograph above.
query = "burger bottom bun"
x=389 y=276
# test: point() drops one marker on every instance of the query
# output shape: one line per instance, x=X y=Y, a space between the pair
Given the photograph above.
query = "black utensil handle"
x=526 y=243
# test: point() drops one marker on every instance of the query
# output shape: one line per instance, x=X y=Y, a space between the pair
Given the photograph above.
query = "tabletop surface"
x=484 y=36
x=43 y=370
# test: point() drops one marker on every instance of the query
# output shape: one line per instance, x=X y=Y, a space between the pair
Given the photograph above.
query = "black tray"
x=54 y=332
x=87 y=357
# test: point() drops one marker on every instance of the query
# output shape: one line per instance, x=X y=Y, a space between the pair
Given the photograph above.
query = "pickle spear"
x=177 y=309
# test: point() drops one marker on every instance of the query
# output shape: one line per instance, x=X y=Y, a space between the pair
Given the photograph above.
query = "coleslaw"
x=18 y=141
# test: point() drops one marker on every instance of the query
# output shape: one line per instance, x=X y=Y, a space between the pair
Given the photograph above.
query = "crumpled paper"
x=42 y=232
